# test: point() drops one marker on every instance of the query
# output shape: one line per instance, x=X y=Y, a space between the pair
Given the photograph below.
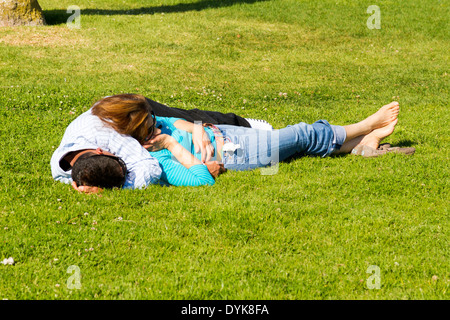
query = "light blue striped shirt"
x=88 y=132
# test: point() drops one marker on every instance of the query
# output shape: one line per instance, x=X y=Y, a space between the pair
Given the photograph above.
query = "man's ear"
x=99 y=151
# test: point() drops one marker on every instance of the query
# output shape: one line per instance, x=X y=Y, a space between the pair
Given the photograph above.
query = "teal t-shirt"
x=173 y=172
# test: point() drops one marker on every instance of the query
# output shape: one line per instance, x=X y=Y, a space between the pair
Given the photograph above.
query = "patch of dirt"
x=42 y=36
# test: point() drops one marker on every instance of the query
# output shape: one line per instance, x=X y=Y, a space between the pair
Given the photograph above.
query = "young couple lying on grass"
x=128 y=141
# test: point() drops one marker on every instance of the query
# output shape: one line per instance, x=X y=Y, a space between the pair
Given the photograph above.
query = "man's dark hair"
x=96 y=170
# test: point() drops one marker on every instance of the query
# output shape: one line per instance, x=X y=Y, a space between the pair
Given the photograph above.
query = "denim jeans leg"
x=318 y=139
x=260 y=148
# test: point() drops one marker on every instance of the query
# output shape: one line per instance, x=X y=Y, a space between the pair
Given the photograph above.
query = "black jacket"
x=193 y=115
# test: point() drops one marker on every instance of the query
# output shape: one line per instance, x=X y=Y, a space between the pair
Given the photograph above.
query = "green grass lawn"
x=311 y=231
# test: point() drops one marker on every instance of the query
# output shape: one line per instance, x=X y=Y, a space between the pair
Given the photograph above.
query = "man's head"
x=99 y=169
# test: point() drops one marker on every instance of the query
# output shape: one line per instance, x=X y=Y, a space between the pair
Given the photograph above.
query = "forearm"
x=183 y=156
x=200 y=138
x=184 y=125
x=177 y=175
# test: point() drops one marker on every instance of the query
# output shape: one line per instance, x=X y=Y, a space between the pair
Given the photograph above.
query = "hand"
x=86 y=189
x=215 y=168
x=159 y=142
x=202 y=143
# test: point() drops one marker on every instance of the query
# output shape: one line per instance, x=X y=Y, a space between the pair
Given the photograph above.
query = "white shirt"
x=88 y=132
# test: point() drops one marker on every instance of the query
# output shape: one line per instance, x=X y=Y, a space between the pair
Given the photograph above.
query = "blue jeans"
x=252 y=148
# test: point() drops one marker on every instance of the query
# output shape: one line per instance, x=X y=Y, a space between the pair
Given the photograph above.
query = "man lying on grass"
x=88 y=132
x=171 y=142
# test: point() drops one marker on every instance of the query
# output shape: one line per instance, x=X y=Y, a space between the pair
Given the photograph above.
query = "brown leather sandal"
x=384 y=146
x=406 y=150
x=369 y=152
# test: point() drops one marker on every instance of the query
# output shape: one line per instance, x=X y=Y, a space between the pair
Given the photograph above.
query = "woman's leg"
x=383 y=117
x=251 y=148
x=259 y=148
x=372 y=139
x=372 y=130
x=369 y=131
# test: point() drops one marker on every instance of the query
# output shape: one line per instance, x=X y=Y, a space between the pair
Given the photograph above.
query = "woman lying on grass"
x=238 y=148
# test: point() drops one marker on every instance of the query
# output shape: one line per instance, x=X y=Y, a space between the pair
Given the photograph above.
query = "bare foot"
x=374 y=138
x=384 y=116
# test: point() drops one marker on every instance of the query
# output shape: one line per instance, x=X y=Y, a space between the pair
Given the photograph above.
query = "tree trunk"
x=20 y=13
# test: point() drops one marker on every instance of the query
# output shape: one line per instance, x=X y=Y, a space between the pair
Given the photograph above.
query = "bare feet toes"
x=374 y=138
x=384 y=116
x=385 y=131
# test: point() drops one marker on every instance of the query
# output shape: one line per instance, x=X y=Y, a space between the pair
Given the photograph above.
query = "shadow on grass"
x=57 y=16
x=405 y=143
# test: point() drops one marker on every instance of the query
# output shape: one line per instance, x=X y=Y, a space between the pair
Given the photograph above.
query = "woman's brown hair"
x=126 y=113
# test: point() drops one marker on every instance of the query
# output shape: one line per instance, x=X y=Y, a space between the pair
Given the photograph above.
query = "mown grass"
x=308 y=232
